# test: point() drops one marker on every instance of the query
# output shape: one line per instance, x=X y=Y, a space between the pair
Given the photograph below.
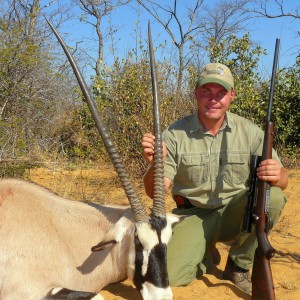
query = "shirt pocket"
x=235 y=168
x=195 y=168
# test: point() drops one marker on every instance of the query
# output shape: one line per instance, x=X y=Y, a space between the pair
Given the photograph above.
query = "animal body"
x=46 y=243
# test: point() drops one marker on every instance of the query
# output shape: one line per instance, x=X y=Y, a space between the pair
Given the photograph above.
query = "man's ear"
x=232 y=94
x=196 y=91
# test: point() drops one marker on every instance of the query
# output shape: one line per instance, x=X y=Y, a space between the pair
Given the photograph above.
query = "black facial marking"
x=157 y=268
x=157 y=263
x=158 y=224
x=137 y=279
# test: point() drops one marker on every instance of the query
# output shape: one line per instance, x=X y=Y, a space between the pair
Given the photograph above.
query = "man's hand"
x=271 y=170
x=148 y=142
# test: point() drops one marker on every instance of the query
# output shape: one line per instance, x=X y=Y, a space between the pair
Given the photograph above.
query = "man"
x=207 y=157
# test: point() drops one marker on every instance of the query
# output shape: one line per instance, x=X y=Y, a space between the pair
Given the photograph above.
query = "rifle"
x=262 y=281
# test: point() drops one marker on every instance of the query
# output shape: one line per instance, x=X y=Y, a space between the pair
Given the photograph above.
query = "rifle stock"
x=262 y=281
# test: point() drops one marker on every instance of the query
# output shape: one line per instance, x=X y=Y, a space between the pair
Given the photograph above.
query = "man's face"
x=213 y=101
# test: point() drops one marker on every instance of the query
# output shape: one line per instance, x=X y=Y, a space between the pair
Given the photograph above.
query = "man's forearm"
x=149 y=182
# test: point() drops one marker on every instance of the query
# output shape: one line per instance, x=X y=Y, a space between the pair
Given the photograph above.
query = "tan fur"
x=46 y=242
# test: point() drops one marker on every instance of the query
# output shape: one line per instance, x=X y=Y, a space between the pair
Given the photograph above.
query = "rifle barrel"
x=274 y=70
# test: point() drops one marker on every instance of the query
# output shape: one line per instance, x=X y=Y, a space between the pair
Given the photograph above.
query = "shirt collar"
x=230 y=120
x=197 y=126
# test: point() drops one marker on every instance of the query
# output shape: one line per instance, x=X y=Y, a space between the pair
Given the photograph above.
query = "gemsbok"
x=48 y=242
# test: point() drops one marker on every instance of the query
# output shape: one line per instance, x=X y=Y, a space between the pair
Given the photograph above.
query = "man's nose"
x=213 y=97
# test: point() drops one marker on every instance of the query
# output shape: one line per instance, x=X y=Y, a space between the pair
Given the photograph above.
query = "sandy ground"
x=96 y=185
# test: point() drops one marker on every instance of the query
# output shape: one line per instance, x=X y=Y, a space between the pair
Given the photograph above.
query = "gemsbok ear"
x=114 y=235
x=173 y=219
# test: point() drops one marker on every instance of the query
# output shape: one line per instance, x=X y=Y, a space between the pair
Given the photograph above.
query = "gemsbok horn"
x=46 y=240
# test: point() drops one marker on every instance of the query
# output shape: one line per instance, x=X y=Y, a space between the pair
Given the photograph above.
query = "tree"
x=186 y=28
x=287 y=109
x=226 y=17
x=279 y=10
x=273 y=9
x=191 y=27
x=98 y=10
x=33 y=95
x=27 y=13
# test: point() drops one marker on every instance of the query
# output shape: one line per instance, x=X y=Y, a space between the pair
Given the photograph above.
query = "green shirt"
x=209 y=170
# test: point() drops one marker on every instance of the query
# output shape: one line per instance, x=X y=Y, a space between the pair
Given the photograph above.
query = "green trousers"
x=187 y=250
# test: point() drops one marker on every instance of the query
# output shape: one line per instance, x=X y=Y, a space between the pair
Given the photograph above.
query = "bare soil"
x=101 y=185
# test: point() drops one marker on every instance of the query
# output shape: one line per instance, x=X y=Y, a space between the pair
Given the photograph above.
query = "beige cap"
x=217 y=73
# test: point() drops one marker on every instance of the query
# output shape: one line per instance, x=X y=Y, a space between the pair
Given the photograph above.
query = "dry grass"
x=101 y=184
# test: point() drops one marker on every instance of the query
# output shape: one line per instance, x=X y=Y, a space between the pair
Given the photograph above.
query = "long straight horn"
x=158 y=186
x=138 y=210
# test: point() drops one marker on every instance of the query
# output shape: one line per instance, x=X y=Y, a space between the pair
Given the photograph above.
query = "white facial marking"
x=146 y=235
x=151 y=292
x=98 y=297
x=121 y=228
x=149 y=239
x=56 y=290
x=131 y=262
x=166 y=233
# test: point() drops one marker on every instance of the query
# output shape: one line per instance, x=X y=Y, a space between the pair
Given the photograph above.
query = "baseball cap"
x=217 y=73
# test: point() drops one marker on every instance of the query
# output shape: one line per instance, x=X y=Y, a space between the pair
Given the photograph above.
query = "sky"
x=263 y=31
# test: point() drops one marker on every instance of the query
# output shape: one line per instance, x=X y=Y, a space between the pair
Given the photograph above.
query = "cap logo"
x=218 y=71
